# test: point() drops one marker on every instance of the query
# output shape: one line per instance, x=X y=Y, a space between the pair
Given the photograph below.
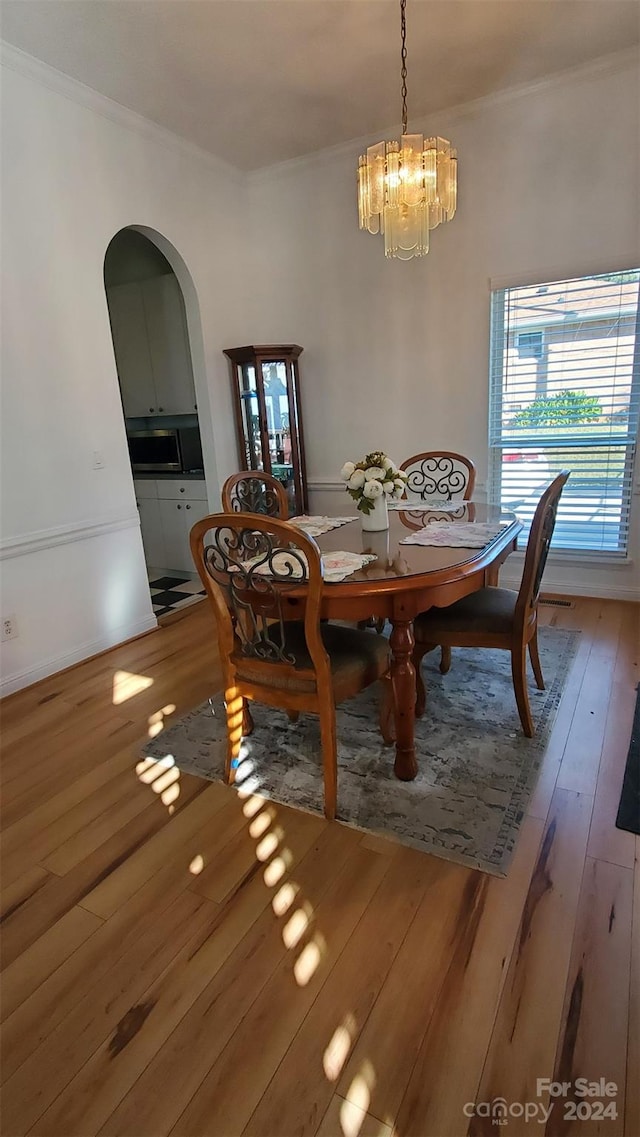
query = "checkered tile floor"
x=171 y=593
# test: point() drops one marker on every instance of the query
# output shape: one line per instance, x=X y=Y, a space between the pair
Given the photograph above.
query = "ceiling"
x=260 y=81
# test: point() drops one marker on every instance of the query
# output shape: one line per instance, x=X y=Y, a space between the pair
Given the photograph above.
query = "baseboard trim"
x=79 y=654
x=64 y=535
x=588 y=591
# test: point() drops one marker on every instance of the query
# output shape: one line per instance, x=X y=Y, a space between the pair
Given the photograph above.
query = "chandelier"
x=407 y=188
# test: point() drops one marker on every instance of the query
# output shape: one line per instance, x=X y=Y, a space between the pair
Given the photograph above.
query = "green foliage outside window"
x=558 y=410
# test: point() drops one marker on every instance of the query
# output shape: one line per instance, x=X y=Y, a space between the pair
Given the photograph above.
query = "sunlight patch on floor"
x=261 y=823
x=126 y=684
x=163 y=777
x=267 y=846
x=297 y=925
x=276 y=868
x=337 y=1050
x=352 y=1118
x=359 y=1092
x=156 y=720
x=284 y=898
x=309 y=960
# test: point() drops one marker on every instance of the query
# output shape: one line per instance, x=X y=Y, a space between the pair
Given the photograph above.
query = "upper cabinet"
x=151 y=346
x=131 y=348
x=266 y=393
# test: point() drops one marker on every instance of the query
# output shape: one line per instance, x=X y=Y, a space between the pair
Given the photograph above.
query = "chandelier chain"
x=403 y=29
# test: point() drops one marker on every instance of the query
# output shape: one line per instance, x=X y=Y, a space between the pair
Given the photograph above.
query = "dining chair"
x=441 y=474
x=254 y=491
x=436 y=474
x=498 y=617
x=263 y=577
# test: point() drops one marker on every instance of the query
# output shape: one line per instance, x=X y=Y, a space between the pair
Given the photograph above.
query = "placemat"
x=317 y=524
x=336 y=565
x=452 y=534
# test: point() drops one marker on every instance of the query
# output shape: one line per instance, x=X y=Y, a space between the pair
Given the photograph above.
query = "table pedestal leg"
x=403 y=678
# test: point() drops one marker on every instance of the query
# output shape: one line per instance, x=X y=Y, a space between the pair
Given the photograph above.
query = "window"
x=565 y=392
x=531 y=343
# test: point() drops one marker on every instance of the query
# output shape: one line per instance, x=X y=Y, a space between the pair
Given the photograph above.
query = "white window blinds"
x=565 y=392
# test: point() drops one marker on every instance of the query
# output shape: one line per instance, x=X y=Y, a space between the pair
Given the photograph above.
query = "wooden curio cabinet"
x=266 y=399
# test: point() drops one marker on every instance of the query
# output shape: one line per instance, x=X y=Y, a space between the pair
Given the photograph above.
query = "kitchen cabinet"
x=151 y=346
x=151 y=529
x=168 y=509
x=266 y=395
x=169 y=346
x=177 y=519
x=131 y=349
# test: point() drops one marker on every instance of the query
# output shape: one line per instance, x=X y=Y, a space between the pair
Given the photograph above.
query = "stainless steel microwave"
x=175 y=450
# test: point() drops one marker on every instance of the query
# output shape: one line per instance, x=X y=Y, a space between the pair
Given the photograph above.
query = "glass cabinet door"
x=279 y=415
x=266 y=397
x=250 y=411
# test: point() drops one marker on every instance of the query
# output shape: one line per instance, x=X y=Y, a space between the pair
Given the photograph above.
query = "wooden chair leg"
x=445 y=660
x=234 y=705
x=247 y=720
x=329 y=758
x=535 y=660
x=293 y=716
x=519 y=673
x=419 y=651
x=387 y=724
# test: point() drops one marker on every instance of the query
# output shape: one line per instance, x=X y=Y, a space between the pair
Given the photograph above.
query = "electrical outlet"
x=98 y=460
x=9 y=628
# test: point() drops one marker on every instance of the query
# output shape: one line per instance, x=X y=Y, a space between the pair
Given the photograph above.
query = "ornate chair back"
x=440 y=474
x=250 y=566
x=254 y=491
x=540 y=534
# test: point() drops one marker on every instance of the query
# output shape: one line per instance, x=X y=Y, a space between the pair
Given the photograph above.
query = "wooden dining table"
x=405 y=580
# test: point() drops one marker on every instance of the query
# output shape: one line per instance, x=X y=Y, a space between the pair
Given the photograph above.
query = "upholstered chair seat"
x=489 y=610
x=355 y=660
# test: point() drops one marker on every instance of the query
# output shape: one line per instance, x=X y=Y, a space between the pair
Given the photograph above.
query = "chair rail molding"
x=42 y=539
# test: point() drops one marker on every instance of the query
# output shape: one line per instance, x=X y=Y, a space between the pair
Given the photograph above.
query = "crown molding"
x=38 y=71
x=627 y=59
x=35 y=69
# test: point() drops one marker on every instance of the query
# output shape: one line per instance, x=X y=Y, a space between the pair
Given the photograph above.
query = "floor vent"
x=551 y=602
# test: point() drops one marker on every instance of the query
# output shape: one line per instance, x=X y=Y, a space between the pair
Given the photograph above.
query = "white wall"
x=74 y=575
x=396 y=354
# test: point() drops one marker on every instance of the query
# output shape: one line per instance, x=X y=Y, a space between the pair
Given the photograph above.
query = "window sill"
x=583 y=559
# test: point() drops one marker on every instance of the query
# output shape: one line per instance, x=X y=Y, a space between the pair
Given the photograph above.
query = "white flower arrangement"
x=370 y=479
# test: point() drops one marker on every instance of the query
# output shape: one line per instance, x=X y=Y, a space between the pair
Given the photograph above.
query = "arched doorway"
x=152 y=343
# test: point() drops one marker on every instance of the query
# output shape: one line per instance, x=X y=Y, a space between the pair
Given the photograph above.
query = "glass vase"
x=378 y=518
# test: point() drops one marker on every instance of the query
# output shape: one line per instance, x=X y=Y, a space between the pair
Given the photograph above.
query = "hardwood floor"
x=178 y=960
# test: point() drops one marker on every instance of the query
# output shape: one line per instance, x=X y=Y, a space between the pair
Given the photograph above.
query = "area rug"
x=629 y=808
x=476 y=769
